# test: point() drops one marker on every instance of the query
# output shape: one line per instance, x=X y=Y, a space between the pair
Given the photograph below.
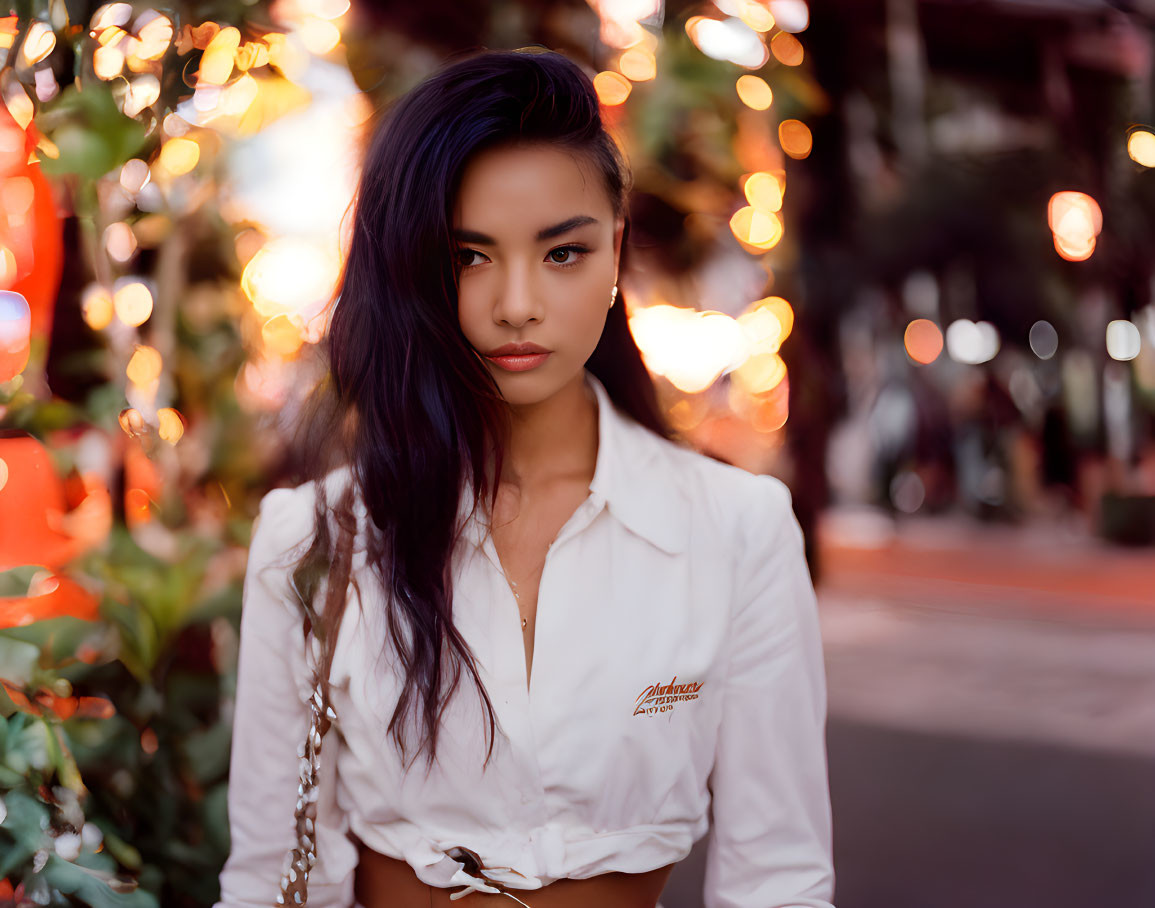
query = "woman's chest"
x=627 y=673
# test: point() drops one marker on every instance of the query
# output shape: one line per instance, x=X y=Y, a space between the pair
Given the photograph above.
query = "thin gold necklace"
x=513 y=587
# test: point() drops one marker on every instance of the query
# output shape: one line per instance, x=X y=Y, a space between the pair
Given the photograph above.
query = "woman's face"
x=539 y=247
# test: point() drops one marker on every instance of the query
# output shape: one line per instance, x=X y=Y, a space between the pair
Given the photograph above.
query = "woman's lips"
x=519 y=362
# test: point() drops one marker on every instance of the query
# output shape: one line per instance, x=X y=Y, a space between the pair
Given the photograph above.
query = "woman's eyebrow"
x=546 y=233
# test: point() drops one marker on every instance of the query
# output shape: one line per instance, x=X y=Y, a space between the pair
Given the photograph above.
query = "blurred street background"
x=899 y=253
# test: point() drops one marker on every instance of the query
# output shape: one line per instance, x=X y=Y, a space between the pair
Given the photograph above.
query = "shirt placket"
x=509 y=652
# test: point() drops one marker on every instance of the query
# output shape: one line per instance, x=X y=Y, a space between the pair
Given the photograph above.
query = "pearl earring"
x=613 y=295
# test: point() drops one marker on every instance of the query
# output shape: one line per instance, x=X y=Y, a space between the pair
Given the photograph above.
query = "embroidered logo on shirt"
x=661 y=698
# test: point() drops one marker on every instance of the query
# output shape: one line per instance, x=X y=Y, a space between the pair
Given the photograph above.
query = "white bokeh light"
x=1123 y=340
x=972 y=342
x=1044 y=339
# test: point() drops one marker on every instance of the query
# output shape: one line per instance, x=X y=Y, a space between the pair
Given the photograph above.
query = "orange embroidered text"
x=661 y=698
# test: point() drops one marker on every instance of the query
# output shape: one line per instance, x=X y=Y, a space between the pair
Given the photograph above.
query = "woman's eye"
x=572 y=255
x=562 y=256
x=465 y=257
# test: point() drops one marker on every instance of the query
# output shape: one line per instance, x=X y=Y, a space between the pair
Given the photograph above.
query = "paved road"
x=992 y=719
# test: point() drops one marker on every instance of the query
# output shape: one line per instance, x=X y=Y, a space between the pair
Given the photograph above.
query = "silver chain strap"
x=300 y=859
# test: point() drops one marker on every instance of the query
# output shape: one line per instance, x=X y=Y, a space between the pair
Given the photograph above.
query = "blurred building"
x=976 y=220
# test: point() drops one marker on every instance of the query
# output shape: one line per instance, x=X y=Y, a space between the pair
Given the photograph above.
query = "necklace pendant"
x=524 y=621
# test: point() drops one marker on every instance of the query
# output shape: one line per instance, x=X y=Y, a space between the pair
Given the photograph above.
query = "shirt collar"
x=631 y=478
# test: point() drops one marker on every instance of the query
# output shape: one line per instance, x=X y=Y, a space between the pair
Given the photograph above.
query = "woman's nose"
x=517 y=302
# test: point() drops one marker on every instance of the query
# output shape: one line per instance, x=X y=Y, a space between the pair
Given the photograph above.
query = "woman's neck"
x=557 y=438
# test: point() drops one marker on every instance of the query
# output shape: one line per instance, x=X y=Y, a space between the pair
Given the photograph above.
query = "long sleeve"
x=269 y=724
x=771 y=837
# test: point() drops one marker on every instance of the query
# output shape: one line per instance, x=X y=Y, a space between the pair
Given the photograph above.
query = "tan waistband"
x=384 y=882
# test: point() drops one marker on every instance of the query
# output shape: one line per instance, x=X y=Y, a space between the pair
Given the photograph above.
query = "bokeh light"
x=767 y=323
x=1075 y=220
x=290 y=275
x=612 y=88
x=1141 y=147
x=39 y=42
x=795 y=138
x=1123 y=340
x=170 y=425
x=790 y=15
x=179 y=156
x=119 y=241
x=638 y=64
x=217 y=61
x=97 y=306
x=763 y=191
x=761 y=229
x=923 y=341
x=730 y=39
x=970 y=342
x=786 y=49
x=760 y=373
x=15 y=334
x=134 y=175
x=754 y=92
x=1044 y=339
x=144 y=367
x=132 y=300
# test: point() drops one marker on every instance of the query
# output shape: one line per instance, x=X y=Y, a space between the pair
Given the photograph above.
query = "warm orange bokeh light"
x=281 y=336
x=754 y=92
x=760 y=373
x=319 y=35
x=133 y=303
x=795 y=138
x=144 y=366
x=786 y=49
x=107 y=62
x=97 y=307
x=923 y=341
x=767 y=323
x=1075 y=220
x=638 y=64
x=217 y=61
x=179 y=156
x=761 y=229
x=612 y=88
x=170 y=425
x=119 y=241
x=756 y=15
x=1141 y=147
x=763 y=191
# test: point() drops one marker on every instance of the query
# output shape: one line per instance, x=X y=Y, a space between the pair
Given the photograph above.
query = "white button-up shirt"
x=677 y=680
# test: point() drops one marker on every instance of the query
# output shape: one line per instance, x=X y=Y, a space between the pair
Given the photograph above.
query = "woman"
x=576 y=641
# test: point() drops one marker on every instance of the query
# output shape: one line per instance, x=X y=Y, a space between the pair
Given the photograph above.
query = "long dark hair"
x=407 y=403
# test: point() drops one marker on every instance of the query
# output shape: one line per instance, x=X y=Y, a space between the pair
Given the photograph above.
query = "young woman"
x=577 y=645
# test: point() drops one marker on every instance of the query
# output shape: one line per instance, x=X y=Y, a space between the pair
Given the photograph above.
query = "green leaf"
x=126 y=854
x=15 y=581
x=25 y=821
x=28 y=746
x=91 y=887
x=57 y=638
x=207 y=752
x=93 y=134
x=18 y=658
